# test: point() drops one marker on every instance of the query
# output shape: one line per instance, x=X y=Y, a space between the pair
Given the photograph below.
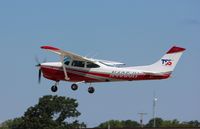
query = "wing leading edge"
x=64 y=53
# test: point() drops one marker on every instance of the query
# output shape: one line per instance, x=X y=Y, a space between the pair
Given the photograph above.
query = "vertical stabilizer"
x=168 y=62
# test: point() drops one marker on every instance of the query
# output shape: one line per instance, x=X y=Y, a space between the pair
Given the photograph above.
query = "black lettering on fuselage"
x=124 y=74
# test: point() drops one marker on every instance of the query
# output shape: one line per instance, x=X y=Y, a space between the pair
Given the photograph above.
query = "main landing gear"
x=75 y=87
x=91 y=90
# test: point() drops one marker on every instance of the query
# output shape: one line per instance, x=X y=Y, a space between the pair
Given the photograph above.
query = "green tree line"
x=159 y=122
x=57 y=112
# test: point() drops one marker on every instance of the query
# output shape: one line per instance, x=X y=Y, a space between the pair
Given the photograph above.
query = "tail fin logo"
x=166 y=62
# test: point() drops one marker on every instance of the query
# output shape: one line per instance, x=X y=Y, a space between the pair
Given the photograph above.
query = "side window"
x=78 y=63
x=92 y=65
x=67 y=60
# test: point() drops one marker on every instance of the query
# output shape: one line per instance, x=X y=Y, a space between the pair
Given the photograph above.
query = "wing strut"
x=63 y=65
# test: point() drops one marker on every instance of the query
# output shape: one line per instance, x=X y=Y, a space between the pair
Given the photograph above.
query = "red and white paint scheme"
x=79 y=69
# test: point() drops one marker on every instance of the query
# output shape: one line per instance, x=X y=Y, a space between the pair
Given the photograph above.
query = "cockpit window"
x=67 y=60
x=77 y=63
x=92 y=65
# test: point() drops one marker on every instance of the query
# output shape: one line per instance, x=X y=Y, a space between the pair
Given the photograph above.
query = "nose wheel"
x=54 y=88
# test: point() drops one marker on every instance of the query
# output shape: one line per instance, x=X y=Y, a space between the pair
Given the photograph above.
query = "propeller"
x=39 y=76
x=40 y=71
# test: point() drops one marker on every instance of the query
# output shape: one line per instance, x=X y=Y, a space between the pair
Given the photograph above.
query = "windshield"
x=67 y=60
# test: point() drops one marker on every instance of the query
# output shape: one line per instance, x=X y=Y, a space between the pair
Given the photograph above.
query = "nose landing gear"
x=54 y=88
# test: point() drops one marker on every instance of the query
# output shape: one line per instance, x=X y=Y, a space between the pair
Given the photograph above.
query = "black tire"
x=74 y=87
x=91 y=90
x=54 y=88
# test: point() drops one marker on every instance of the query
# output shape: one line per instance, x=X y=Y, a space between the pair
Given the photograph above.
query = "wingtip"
x=49 y=48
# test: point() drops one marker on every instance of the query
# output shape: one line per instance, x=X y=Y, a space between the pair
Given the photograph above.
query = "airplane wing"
x=78 y=57
x=65 y=53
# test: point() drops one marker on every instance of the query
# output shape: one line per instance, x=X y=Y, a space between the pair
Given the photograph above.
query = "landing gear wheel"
x=54 y=88
x=91 y=90
x=74 y=87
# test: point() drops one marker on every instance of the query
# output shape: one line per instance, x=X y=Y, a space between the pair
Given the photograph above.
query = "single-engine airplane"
x=80 y=69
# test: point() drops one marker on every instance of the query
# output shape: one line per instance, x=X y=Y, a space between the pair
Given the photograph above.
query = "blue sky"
x=133 y=32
